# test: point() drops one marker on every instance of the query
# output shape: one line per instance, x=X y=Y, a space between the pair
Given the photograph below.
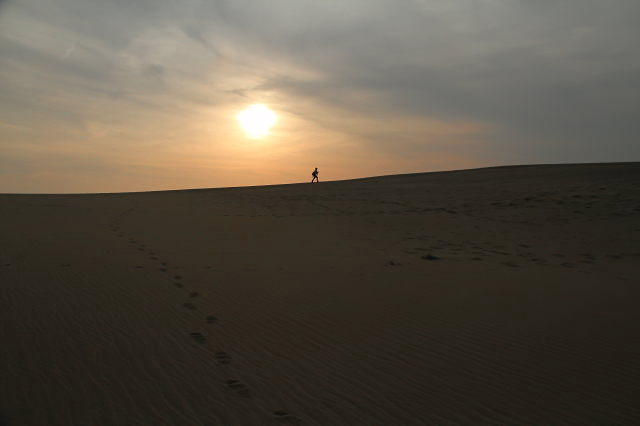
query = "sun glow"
x=256 y=120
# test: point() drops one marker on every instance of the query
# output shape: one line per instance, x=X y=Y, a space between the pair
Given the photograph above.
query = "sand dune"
x=493 y=296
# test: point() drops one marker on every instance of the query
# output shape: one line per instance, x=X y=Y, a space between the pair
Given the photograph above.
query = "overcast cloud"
x=100 y=95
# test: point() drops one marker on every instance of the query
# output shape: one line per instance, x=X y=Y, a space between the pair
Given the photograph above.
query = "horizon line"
x=326 y=181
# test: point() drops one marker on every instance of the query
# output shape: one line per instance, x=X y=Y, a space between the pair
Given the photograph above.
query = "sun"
x=256 y=120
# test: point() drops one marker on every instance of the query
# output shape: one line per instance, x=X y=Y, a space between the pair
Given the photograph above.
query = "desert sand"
x=505 y=295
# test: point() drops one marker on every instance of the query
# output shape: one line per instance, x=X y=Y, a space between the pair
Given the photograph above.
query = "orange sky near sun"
x=204 y=146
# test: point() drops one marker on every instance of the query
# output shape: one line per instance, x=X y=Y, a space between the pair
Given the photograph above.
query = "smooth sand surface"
x=504 y=295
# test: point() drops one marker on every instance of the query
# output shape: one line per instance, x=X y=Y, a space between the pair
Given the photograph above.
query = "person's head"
x=316 y=168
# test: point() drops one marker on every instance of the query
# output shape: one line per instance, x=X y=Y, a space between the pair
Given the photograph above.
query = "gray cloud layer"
x=554 y=80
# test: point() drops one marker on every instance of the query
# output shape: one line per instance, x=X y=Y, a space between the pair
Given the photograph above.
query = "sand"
x=504 y=295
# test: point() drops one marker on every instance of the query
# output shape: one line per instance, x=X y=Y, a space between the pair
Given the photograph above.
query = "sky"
x=137 y=95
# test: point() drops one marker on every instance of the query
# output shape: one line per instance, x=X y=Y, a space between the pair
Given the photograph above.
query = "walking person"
x=315 y=175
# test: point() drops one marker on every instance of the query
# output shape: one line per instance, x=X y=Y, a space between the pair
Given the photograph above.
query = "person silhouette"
x=315 y=175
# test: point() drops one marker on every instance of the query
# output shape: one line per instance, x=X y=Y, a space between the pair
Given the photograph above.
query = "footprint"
x=163 y=269
x=238 y=387
x=211 y=319
x=510 y=264
x=198 y=337
x=222 y=357
x=430 y=257
x=163 y=263
x=179 y=285
x=178 y=277
x=189 y=305
x=284 y=417
x=154 y=257
x=194 y=294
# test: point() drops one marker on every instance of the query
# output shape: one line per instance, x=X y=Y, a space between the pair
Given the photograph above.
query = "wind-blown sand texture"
x=504 y=295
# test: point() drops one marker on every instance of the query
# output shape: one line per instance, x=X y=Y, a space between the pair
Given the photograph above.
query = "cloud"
x=549 y=72
x=508 y=80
